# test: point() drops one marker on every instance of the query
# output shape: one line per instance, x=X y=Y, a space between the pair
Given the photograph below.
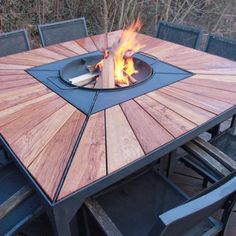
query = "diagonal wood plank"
x=6 y=72
x=48 y=172
x=222 y=95
x=16 y=129
x=8 y=84
x=170 y=120
x=47 y=53
x=89 y=163
x=31 y=143
x=13 y=67
x=74 y=47
x=209 y=104
x=122 y=145
x=189 y=111
x=87 y=44
x=14 y=112
x=149 y=132
x=100 y=41
x=58 y=48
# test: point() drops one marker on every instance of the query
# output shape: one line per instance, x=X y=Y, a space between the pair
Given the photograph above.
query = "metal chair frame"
x=42 y=26
x=218 y=38
x=25 y=33
x=185 y=28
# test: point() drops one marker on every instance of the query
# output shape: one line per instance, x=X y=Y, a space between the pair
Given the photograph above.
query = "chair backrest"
x=221 y=46
x=181 y=219
x=14 y=42
x=180 y=34
x=62 y=31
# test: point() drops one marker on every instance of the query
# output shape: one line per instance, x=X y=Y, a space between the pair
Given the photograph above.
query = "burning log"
x=132 y=80
x=108 y=78
x=83 y=79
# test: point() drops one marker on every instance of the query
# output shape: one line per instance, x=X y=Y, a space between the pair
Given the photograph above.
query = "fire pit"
x=78 y=69
x=98 y=80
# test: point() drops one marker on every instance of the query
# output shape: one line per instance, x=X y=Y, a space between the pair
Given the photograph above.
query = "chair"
x=62 y=31
x=14 y=42
x=152 y=205
x=221 y=46
x=180 y=34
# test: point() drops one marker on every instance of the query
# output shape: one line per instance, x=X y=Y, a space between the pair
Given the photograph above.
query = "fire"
x=122 y=52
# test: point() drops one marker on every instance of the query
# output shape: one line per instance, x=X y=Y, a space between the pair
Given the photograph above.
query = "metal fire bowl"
x=79 y=67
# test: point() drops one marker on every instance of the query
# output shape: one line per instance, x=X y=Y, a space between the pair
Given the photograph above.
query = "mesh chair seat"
x=221 y=47
x=62 y=31
x=180 y=34
x=14 y=42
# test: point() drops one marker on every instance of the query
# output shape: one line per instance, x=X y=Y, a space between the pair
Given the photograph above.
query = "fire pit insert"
x=153 y=74
x=79 y=66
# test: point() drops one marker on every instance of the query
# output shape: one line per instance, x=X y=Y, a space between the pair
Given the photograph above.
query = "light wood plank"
x=190 y=112
x=149 y=132
x=13 y=67
x=29 y=145
x=122 y=145
x=209 y=104
x=173 y=122
x=48 y=171
x=89 y=163
x=87 y=44
x=58 y=48
x=47 y=53
x=17 y=128
x=4 y=72
x=100 y=41
x=16 y=83
x=113 y=37
x=74 y=47
x=222 y=95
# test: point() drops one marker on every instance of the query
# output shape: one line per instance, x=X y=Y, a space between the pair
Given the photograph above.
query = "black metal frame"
x=219 y=38
x=62 y=212
x=186 y=28
x=25 y=33
x=40 y=27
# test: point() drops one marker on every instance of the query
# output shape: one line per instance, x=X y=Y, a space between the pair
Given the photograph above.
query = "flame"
x=122 y=52
x=128 y=42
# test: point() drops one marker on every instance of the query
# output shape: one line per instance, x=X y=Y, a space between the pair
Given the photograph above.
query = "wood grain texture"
x=170 y=120
x=47 y=53
x=89 y=163
x=31 y=143
x=122 y=145
x=87 y=44
x=113 y=37
x=149 y=132
x=209 y=104
x=100 y=41
x=187 y=110
x=4 y=72
x=48 y=171
x=74 y=47
x=58 y=48
x=218 y=94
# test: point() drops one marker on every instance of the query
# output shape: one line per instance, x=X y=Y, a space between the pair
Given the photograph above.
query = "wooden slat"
x=58 y=48
x=89 y=163
x=15 y=77
x=4 y=72
x=74 y=47
x=222 y=82
x=100 y=41
x=14 y=96
x=13 y=67
x=14 y=112
x=87 y=44
x=190 y=112
x=16 y=83
x=209 y=104
x=47 y=53
x=48 y=171
x=225 y=96
x=149 y=132
x=122 y=145
x=173 y=122
x=16 y=129
x=31 y=143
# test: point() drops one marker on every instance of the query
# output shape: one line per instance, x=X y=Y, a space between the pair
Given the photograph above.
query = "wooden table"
x=67 y=155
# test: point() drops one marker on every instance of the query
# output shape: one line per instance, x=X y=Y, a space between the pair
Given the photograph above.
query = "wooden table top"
x=42 y=128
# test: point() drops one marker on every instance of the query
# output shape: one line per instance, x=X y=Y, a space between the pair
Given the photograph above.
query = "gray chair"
x=62 y=31
x=14 y=42
x=180 y=34
x=152 y=205
x=221 y=46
